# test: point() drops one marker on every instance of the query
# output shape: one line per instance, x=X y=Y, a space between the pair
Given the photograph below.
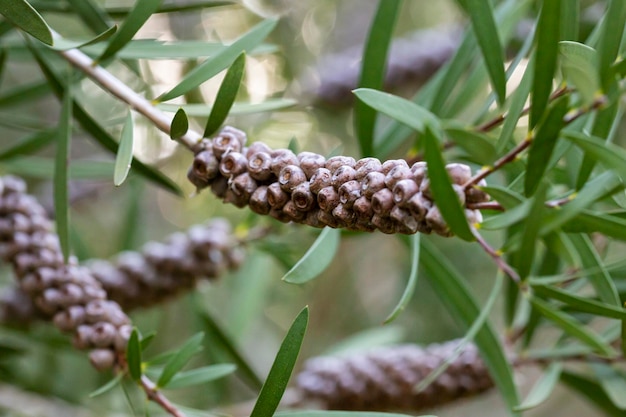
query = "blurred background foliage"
x=348 y=302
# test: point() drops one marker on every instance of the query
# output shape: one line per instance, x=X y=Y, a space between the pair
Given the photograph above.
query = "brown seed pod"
x=280 y=159
x=344 y=215
x=335 y=162
x=292 y=211
x=321 y=178
x=372 y=183
x=397 y=173
x=243 y=186
x=228 y=140
x=259 y=165
x=459 y=173
x=391 y=164
x=363 y=208
x=342 y=175
x=256 y=147
x=382 y=202
x=290 y=177
x=327 y=198
x=403 y=191
x=259 y=200
x=302 y=197
x=102 y=359
x=310 y=162
x=419 y=205
x=476 y=195
x=276 y=197
x=233 y=164
x=349 y=192
x=409 y=224
x=205 y=167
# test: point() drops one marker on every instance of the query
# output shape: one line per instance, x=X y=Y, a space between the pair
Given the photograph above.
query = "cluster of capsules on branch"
x=386 y=378
x=67 y=294
x=160 y=270
x=339 y=192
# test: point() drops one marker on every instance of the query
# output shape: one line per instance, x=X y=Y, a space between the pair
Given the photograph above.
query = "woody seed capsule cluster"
x=339 y=192
x=69 y=295
x=162 y=270
x=385 y=378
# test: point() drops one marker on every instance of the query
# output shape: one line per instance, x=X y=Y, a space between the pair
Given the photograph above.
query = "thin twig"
x=157 y=396
x=499 y=261
x=488 y=205
x=117 y=88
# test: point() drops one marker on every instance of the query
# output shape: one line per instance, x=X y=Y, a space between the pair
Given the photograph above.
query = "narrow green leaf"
x=570 y=20
x=468 y=338
x=24 y=16
x=479 y=147
x=124 y=155
x=404 y=111
x=441 y=188
x=612 y=156
x=590 y=389
x=454 y=293
x=409 y=290
x=524 y=257
x=62 y=44
x=147 y=340
x=279 y=374
x=180 y=359
x=598 y=276
x=3 y=61
x=324 y=413
x=579 y=303
x=548 y=32
x=108 y=386
x=217 y=338
x=484 y=26
x=572 y=327
x=612 y=382
x=373 y=67
x=579 y=65
x=543 y=144
x=590 y=221
x=133 y=356
x=509 y=199
x=180 y=124
x=38 y=167
x=27 y=93
x=543 y=388
x=316 y=259
x=518 y=101
x=28 y=145
x=611 y=37
x=221 y=60
x=201 y=375
x=98 y=133
x=61 y=194
x=134 y=21
x=225 y=96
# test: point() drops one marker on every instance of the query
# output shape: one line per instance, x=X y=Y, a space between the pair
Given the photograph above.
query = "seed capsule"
x=302 y=197
x=344 y=215
x=292 y=211
x=290 y=177
x=243 y=186
x=363 y=208
x=256 y=147
x=233 y=163
x=408 y=223
x=259 y=200
x=321 y=178
x=281 y=158
x=103 y=334
x=259 y=166
x=276 y=197
x=327 y=198
x=205 y=167
x=391 y=164
x=403 y=191
x=349 y=192
x=459 y=173
x=228 y=140
x=382 y=201
x=397 y=173
x=373 y=182
x=342 y=175
x=419 y=205
x=335 y=162
x=475 y=195
x=310 y=162
x=102 y=359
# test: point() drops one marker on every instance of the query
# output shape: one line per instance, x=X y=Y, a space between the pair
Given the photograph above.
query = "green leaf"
x=180 y=124
x=62 y=44
x=579 y=65
x=548 y=32
x=203 y=110
x=523 y=258
x=201 y=375
x=579 y=303
x=443 y=194
x=612 y=382
x=38 y=167
x=279 y=374
x=478 y=146
x=518 y=101
x=484 y=26
x=134 y=21
x=320 y=413
x=24 y=16
x=404 y=111
x=98 y=133
x=221 y=60
x=543 y=144
x=612 y=156
x=590 y=389
x=316 y=259
x=124 y=155
x=543 y=388
x=570 y=20
x=590 y=221
x=133 y=356
x=90 y=13
x=611 y=37
x=454 y=293
x=572 y=327
x=373 y=67
x=180 y=359
x=409 y=290
x=108 y=386
x=225 y=96
x=218 y=339
x=147 y=340
x=26 y=93
x=61 y=194
x=28 y=145
x=598 y=275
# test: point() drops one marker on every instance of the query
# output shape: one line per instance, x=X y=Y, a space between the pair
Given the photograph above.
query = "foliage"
x=538 y=119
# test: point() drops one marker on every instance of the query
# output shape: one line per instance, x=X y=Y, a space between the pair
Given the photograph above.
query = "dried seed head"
x=243 y=186
x=233 y=163
x=205 y=167
x=259 y=200
x=259 y=165
x=280 y=159
x=327 y=198
x=403 y=191
x=292 y=211
x=335 y=162
x=342 y=175
x=302 y=197
x=228 y=140
x=363 y=208
x=382 y=201
x=321 y=178
x=349 y=192
x=290 y=177
x=419 y=205
x=408 y=223
x=310 y=162
x=344 y=215
x=276 y=197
